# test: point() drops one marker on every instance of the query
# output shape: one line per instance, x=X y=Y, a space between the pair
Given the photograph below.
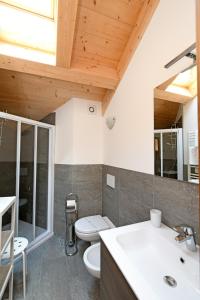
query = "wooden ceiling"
x=95 y=41
x=165 y=113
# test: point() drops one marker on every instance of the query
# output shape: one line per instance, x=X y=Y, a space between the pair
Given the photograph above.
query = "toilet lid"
x=91 y=224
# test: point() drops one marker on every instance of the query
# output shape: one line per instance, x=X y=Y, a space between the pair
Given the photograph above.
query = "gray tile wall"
x=178 y=200
x=7 y=178
x=86 y=181
x=136 y=193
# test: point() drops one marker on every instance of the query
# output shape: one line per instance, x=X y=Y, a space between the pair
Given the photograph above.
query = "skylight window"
x=28 y=28
x=178 y=90
x=185 y=83
x=185 y=79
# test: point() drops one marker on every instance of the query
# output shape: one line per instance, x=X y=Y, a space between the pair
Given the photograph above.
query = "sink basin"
x=147 y=256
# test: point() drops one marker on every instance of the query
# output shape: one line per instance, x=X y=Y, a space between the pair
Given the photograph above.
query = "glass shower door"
x=26 y=170
x=8 y=142
x=170 y=168
x=157 y=154
x=168 y=153
x=34 y=168
x=25 y=225
x=42 y=180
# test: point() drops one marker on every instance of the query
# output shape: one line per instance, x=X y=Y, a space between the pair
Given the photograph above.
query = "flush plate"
x=110 y=181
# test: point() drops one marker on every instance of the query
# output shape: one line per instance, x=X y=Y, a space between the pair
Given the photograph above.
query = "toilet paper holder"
x=71 y=214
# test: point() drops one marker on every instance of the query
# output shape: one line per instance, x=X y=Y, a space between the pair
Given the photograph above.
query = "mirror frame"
x=198 y=75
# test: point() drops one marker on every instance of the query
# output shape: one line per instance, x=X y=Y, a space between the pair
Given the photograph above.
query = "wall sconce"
x=110 y=122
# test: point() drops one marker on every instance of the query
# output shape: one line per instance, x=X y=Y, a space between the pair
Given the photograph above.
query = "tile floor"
x=54 y=276
x=26 y=230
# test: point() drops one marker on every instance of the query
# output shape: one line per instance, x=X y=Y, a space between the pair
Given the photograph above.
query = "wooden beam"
x=164 y=95
x=71 y=75
x=106 y=100
x=31 y=88
x=67 y=11
x=143 y=20
x=35 y=97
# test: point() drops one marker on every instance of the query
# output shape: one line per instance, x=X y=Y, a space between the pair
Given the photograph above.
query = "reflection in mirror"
x=176 y=126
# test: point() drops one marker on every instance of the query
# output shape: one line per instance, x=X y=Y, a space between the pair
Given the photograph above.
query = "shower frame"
x=20 y=120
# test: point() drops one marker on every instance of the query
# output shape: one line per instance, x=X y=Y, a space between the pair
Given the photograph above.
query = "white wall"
x=190 y=122
x=79 y=133
x=130 y=143
x=64 y=133
x=88 y=133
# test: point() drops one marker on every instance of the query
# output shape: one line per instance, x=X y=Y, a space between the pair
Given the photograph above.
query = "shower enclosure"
x=27 y=171
x=168 y=153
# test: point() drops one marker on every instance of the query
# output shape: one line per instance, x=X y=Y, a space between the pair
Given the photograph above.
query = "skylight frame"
x=51 y=16
x=26 y=53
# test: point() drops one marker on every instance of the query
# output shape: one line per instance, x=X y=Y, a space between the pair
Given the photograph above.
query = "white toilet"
x=88 y=229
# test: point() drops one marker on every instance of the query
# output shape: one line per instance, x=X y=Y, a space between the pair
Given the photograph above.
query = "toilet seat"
x=88 y=228
x=91 y=224
x=91 y=259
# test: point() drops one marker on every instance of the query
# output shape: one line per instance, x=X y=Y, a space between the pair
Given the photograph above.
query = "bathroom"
x=62 y=141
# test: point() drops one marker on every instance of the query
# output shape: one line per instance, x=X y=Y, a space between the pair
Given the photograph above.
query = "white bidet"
x=91 y=259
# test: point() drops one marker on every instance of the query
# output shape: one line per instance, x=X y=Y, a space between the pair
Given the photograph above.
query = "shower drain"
x=170 y=281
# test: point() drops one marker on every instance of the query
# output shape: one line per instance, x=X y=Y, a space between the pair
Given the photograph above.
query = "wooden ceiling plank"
x=96 y=47
x=102 y=26
x=55 y=72
x=67 y=12
x=144 y=17
x=119 y=10
x=94 y=64
x=164 y=95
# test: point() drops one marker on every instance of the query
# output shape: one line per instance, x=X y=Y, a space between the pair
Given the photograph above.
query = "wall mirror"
x=176 y=123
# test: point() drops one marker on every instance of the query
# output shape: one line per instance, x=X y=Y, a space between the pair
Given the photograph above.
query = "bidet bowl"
x=91 y=259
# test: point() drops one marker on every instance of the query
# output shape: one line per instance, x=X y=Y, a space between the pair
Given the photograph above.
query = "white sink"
x=146 y=254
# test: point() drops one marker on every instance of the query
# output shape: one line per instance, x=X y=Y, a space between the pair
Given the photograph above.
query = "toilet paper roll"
x=71 y=204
